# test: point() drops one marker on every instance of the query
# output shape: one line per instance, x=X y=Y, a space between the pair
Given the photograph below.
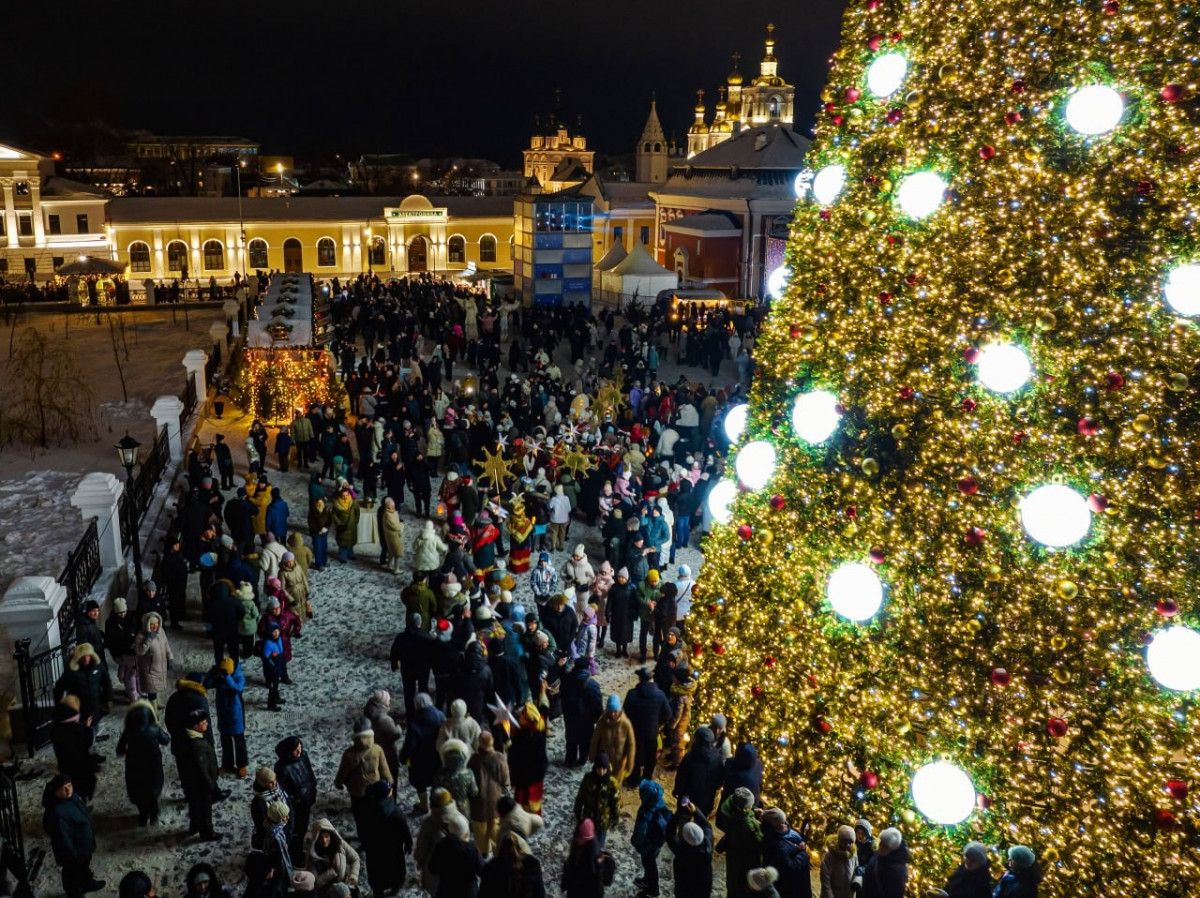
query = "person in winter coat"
x=442 y=813
x=543 y=580
x=700 y=771
x=614 y=735
x=887 y=874
x=513 y=872
x=742 y=842
x=294 y=579
x=582 y=876
x=456 y=862
x=320 y=522
x=294 y=773
x=683 y=687
x=864 y=843
x=190 y=695
x=648 y=710
x=459 y=726
x=120 y=632
x=345 y=522
x=1020 y=880
x=587 y=639
x=385 y=838
x=647 y=600
x=507 y=680
x=202 y=881
x=271 y=556
x=516 y=820
x=761 y=882
x=248 y=620
x=972 y=878
x=197 y=762
x=266 y=792
x=454 y=776
x=490 y=770
x=413 y=652
x=838 y=865
x=429 y=551
x=141 y=744
x=86 y=678
x=331 y=859
x=649 y=835
x=744 y=769
x=154 y=657
x=597 y=595
x=559 y=621
x=72 y=741
x=599 y=798
x=420 y=752
x=785 y=850
x=577 y=571
x=289 y=625
x=274 y=661
x=230 y=683
x=392 y=535
x=277 y=516
x=68 y=824
x=362 y=763
x=582 y=704
x=378 y=710
x=622 y=611
x=527 y=761
x=691 y=841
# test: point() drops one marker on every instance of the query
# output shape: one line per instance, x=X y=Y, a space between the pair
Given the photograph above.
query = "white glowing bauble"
x=777 y=281
x=886 y=74
x=855 y=592
x=921 y=194
x=815 y=416
x=756 y=464
x=1182 y=290
x=1095 y=109
x=943 y=793
x=720 y=497
x=1003 y=368
x=828 y=184
x=1055 y=515
x=735 y=422
x=1174 y=659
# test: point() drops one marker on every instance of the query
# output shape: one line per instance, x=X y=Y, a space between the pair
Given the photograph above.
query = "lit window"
x=139 y=257
x=177 y=253
x=326 y=252
x=258 y=253
x=378 y=251
x=458 y=250
x=214 y=256
x=487 y=248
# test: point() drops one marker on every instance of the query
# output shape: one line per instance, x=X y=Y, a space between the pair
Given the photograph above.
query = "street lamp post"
x=370 y=247
x=127 y=451
x=241 y=221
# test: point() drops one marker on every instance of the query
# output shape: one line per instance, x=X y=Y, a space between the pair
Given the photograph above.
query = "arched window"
x=258 y=253
x=326 y=252
x=378 y=251
x=214 y=256
x=458 y=250
x=487 y=248
x=646 y=148
x=658 y=148
x=177 y=256
x=139 y=257
x=773 y=106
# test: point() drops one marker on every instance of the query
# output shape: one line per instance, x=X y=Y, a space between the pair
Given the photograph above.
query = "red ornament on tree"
x=911 y=280
x=713 y=609
x=1018 y=86
x=1164 y=820
x=885 y=297
x=770 y=662
x=906 y=393
x=1000 y=676
x=877 y=555
x=718 y=648
x=894 y=115
x=974 y=536
x=852 y=512
x=869 y=779
x=823 y=726
x=852 y=94
x=1177 y=789
x=968 y=487
x=778 y=502
x=745 y=531
x=874 y=5
x=1144 y=188
x=1012 y=118
x=756 y=691
x=837 y=121
x=1111 y=7
x=985 y=801
x=1097 y=503
x=874 y=42
x=1088 y=426
x=986 y=152
x=969 y=404
x=1056 y=727
x=828 y=107
x=794 y=331
x=971 y=355
x=1114 y=380
x=895 y=37
x=825 y=214
x=1167 y=607
x=1172 y=93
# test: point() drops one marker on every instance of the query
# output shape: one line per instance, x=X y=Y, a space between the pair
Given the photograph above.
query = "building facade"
x=552 y=256
x=557 y=156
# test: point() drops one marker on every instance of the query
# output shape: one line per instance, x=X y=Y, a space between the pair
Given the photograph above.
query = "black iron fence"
x=79 y=576
x=38 y=674
x=23 y=867
x=188 y=398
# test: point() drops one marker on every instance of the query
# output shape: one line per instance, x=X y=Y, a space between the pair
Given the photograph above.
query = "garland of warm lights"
x=274 y=383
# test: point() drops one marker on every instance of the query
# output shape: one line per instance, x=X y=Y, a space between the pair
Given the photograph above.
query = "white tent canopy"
x=616 y=254
x=638 y=274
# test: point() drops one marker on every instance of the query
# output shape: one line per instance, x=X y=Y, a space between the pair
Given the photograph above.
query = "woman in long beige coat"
x=154 y=657
x=393 y=535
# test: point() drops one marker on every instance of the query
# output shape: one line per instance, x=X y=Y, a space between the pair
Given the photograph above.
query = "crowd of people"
x=508 y=619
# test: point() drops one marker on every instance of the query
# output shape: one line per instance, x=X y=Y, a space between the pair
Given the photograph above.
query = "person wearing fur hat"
x=385 y=838
x=197 y=762
x=294 y=579
x=86 y=678
x=266 y=791
x=120 y=632
x=454 y=777
x=1021 y=878
x=786 y=851
x=68 y=824
x=972 y=878
x=742 y=842
x=459 y=725
x=429 y=550
x=690 y=839
x=378 y=710
x=420 y=752
x=141 y=743
x=230 y=682
x=154 y=657
x=838 y=865
x=202 y=881
x=72 y=741
x=887 y=874
x=762 y=880
x=527 y=760
x=332 y=860
x=442 y=813
x=490 y=769
x=599 y=798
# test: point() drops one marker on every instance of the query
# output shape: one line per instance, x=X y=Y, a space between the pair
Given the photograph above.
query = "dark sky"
x=428 y=78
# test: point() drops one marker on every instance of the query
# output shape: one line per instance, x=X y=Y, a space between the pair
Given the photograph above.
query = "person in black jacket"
x=385 y=837
x=72 y=741
x=198 y=772
x=785 y=849
x=887 y=873
x=72 y=838
x=175 y=577
x=224 y=615
x=506 y=674
x=456 y=862
x=973 y=878
x=86 y=677
x=513 y=872
x=141 y=743
x=87 y=629
x=648 y=710
x=744 y=769
x=621 y=611
x=419 y=751
x=412 y=654
x=690 y=838
x=190 y=695
x=472 y=682
x=120 y=631
x=582 y=705
x=239 y=515
x=422 y=486
x=581 y=876
x=560 y=621
x=294 y=773
x=700 y=772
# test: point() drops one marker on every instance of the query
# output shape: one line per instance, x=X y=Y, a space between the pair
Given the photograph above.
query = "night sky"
x=427 y=78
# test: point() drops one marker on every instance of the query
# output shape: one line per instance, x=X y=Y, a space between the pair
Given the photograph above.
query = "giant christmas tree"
x=956 y=592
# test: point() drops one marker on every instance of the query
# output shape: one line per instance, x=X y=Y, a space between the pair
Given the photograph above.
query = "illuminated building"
x=558 y=156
